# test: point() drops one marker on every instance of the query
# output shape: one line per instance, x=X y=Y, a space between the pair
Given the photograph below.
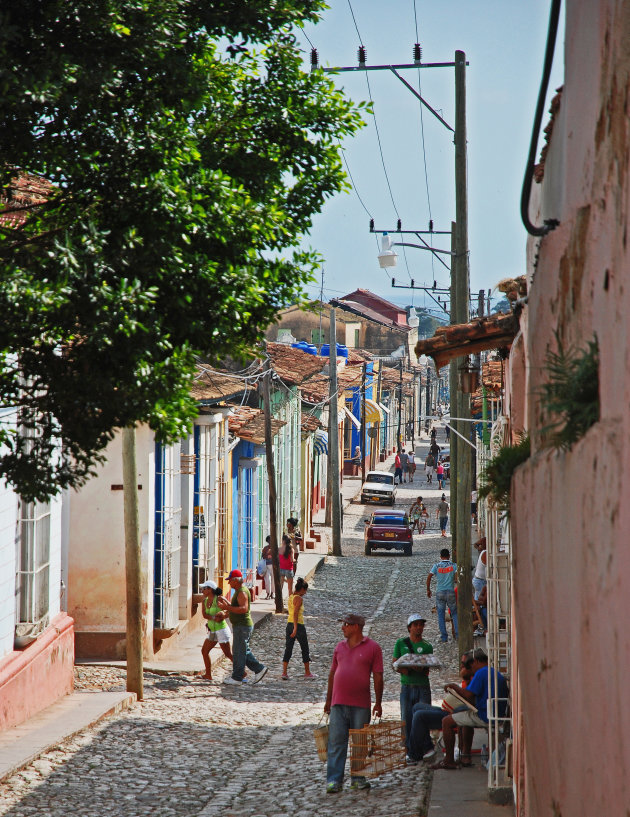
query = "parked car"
x=378 y=487
x=389 y=530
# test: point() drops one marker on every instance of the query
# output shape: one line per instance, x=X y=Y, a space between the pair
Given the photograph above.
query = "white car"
x=378 y=487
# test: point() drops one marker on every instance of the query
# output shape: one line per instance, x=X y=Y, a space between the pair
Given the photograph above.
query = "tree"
x=180 y=175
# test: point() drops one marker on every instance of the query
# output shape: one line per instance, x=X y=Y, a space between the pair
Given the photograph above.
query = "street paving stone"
x=195 y=749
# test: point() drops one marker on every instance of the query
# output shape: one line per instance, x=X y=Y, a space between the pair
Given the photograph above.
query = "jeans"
x=243 y=656
x=342 y=718
x=424 y=719
x=444 y=598
x=290 y=643
x=478 y=585
x=409 y=696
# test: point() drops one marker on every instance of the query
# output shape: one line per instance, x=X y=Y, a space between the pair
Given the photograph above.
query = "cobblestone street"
x=199 y=748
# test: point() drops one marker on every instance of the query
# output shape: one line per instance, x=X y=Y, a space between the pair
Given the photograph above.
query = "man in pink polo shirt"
x=348 y=699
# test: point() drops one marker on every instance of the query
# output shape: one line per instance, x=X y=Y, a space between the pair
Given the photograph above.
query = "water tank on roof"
x=342 y=351
x=303 y=346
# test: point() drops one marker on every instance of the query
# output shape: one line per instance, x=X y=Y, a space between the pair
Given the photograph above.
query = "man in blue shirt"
x=445 y=571
x=486 y=683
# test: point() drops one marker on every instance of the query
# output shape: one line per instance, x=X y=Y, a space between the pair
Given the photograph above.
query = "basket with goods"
x=320 y=733
x=376 y=749
x=417 y=661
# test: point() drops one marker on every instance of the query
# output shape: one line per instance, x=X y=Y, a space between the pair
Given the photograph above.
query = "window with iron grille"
x=33 y=564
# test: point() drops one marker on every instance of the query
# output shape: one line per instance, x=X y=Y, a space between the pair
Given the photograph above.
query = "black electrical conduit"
x=549 y=224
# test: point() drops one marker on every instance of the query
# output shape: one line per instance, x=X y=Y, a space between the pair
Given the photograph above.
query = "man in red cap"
x=242 y=629
x=348 y=700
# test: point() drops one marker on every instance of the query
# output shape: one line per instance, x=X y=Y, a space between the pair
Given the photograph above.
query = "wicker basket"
x=320 y=733
x=376 y=749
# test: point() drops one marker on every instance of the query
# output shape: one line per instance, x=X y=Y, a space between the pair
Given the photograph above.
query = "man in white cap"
x=218 y=630
x=243 y=626
x=414 y=683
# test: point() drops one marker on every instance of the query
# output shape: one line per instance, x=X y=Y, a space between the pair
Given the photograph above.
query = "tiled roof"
x=293 y=365
x=458 y=340
x=375 y=297
x=492 y=380
x=369 y=314
x=210 y=384
x=309 y=423
x=249 y=424
x=316 y=389
x=390 y=377
x=23 y=191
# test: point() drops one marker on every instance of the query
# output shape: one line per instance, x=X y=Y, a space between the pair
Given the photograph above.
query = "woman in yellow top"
x=296 y=630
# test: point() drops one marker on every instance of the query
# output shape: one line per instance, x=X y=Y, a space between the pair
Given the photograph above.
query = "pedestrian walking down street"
x=447 y=433
x=218 y=630
x=404 y=464
x=296 y=631
x=445 y=572
x=398 y=472
x=411 y=464
x=442 y=514
x=285 y=560
x=428 y=467
x=295 y=535
x=414 y=683
x=268 y=575
x=418 y=515
x=355 y=661
x=439 y=472
x=238 y=609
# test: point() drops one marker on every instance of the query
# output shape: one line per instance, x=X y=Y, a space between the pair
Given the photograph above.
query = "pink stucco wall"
x=33 y=678
x=571 y=512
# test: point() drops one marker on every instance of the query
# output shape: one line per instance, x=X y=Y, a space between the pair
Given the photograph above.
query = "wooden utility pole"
x=454 y=391
x=462 y=285
x=333 y=441
x=363 y=436
x=133 y=566
x=398 y=441
x=271 y=479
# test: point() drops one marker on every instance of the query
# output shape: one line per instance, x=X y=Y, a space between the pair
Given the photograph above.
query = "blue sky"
x=504 y=42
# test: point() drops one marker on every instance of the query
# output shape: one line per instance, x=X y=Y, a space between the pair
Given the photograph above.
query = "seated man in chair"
x=483 y=685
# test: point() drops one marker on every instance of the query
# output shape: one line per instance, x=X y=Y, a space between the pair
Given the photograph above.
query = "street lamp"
x=387 y=257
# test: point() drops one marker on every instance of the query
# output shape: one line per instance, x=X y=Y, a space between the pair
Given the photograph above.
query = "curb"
x=26 y=742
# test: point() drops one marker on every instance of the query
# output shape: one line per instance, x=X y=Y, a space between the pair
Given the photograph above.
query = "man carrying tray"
x=355 y=660
x=414 y=681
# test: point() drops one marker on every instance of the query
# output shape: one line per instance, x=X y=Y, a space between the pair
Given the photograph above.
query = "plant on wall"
x=571 y=394
x=496 y=477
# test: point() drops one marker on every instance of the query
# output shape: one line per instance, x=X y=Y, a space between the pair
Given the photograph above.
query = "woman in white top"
x=479 y=578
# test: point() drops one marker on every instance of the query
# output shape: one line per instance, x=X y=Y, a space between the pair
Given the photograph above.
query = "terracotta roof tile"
x=293 y=365
x=210 y=384
x=458 y=340
x=249 y=424
x=24 y=191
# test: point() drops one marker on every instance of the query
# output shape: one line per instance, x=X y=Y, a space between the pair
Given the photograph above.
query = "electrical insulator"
x=393 y=282
x=362 y=55
x=434 y=284
x=371 y=225
x=314 y=58
x=399 y=225
x=417 y=53
x=431 y=226
x=412 y=284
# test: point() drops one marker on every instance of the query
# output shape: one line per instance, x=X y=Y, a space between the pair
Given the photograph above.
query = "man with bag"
x=348 y=699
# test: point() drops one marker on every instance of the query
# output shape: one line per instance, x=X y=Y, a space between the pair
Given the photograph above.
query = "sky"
x=402 y=162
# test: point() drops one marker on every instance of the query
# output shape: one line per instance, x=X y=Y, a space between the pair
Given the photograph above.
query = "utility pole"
x=378 y=400
x=399 y=407
x=133 y=567
x=463 y=474
x=333 y=441
x=363 y=440
x=271 y=479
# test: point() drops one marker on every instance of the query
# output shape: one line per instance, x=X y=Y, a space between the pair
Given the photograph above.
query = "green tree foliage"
x=187 y=152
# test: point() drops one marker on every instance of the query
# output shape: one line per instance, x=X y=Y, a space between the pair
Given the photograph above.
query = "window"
x=33 y=563
x=318 y=336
